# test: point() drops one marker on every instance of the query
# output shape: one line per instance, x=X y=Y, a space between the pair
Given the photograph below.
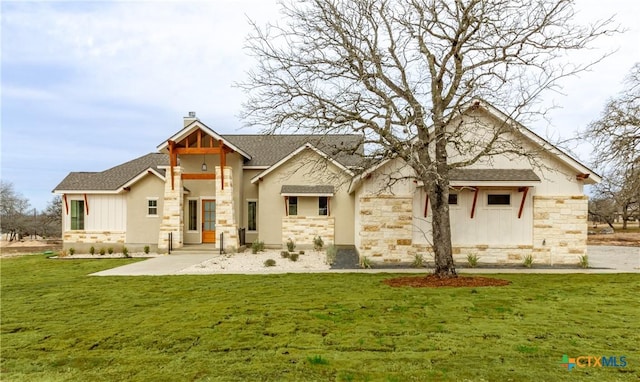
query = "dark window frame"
x=323 y=211
x=498 y=199
x=77 y=215
x=252 y=220
x=193 y=214
x=292 y=206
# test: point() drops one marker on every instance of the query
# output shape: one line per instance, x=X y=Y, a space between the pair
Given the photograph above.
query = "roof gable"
x=195 y=126
x=306 y=146
x=116 y=178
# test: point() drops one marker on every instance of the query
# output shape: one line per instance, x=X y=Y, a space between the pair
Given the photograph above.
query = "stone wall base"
x=303 y=229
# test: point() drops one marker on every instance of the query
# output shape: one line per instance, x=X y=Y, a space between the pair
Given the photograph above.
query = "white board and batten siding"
x=491 y=224
x=106 y=212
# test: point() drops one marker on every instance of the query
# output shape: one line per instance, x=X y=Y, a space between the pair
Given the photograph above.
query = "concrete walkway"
x=602 y=259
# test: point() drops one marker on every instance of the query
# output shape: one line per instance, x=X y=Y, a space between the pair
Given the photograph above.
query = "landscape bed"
x=58 y=324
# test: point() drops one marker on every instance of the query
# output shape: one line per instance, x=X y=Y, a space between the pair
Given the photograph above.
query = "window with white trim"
x=323 y=206
x=77 y=214
x=192 y=215
x=152 y=207
x=252 y=215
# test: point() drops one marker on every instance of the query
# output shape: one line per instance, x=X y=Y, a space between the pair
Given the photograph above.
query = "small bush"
x=332 y=251
x=584 y=261
x=257 y=246
x=71 y=251
x=317 y=360
x=528 y=261
x=110 y=250
x=318 y=244
x=418 y=261
x=291 y=246
x=301 y=252
x=269 y=263
x=125 y=252
x=472 y=260
x=284 y=254
x=102 y=251
x=231 y=249
x=365 y=263
x=294 y=256
x=63 y=253
x=92 y=250
x=146 y=249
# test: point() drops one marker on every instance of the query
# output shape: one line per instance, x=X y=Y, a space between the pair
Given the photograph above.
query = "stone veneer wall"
x=303 y=229
x=560 y=228
x=225 y=211
x=386 y=228
x=82 y=240
x=172 y=214
x=559 y=233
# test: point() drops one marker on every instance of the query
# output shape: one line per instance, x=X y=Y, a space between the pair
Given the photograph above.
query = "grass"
x=58 y=324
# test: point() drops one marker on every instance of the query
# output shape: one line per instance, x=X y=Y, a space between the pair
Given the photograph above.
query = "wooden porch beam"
x=86 y=204
x=197 y=150
x=197 y=176
x=475 y=199
x=426 y=205
x=222 y=162
x=199 y=138
x=173 y=159
x=66 y=204
x=286 y=206
x=524 y=191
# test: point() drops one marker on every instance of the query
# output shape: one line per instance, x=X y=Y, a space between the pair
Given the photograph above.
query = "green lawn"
x=58 y=324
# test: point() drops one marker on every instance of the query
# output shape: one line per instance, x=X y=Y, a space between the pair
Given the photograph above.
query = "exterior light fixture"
x=204 y=164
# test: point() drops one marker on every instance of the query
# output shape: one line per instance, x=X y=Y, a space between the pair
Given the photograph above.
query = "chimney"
x=190 y=119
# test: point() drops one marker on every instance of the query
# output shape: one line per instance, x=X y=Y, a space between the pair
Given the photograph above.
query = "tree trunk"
x=441 y=229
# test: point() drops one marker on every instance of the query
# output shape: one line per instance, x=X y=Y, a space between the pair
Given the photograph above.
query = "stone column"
x=173 y=211
x=225 y=209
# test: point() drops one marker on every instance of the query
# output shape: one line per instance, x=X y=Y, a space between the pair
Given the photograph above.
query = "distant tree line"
x=18 y=219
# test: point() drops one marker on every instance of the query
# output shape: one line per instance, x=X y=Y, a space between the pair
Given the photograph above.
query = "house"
x=203 y=187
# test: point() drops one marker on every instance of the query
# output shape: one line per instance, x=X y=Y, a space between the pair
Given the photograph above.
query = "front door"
x=208 y=221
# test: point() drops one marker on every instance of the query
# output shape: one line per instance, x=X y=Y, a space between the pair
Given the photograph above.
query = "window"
x=77 y=214
x=323 y=204
x=252 y=215
x=193 y=215
x=293 y=205
x=499 y=199
x=453 y=198
x=152 y=207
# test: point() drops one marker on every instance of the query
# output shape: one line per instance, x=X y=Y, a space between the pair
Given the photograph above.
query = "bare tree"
x=13 y=207
x=51 y=217
x=616 y=139
x=401 y=72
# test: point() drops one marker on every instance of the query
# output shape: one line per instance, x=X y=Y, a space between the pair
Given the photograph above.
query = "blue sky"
x=88 y=85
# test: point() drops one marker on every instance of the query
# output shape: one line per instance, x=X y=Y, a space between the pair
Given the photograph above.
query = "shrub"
x=317 y=360
x=269 y=263
x=318 y=244
x=230 y=249
x=291 y=246
x=63 y=253
x=146 y=249
x=584 y=261
x=472 y=260
x=284 y=254
x=332 y=251
x=365 y=262
x=125 y=252
x=257 y=246
x=71 y=251
x=301 y=252
x=102 y=251
x=418 y=261
x=294 y=256
x=110 y=250
x=92 y=250
x=528 y=261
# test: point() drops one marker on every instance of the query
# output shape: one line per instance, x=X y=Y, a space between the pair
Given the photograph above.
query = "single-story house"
x=204 y=187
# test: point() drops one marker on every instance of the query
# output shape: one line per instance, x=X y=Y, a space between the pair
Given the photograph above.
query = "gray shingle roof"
x=484 y=175
x=267 y=150
x=115 y=177
x=301 y=190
